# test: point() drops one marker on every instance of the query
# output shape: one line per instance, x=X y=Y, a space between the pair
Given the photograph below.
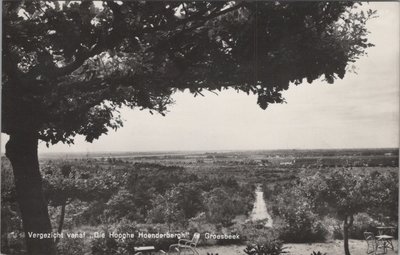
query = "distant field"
x=248 y=166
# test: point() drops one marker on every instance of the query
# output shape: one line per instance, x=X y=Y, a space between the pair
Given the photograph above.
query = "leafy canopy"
x=69 y=66
x=345 y=193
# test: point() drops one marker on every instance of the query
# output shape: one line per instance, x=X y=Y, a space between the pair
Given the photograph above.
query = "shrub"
x=270 y=247
x=220 y=208
x=261 y=241
x=106 y=246
x=362 y=223
x=301 y=226
x=71 y=246
x=252 y=233
x=297 y=222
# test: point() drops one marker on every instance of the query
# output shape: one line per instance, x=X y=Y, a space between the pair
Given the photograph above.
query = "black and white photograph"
x=200 y=127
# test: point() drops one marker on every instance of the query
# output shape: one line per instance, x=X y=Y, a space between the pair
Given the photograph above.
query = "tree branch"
x=99 y=46
x=204 y=20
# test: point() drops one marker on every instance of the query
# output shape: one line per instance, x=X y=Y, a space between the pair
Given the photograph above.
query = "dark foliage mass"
x=270 y=247
x=69 y=66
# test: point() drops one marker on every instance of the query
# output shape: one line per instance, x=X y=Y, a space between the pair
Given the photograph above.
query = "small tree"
x=343 y=193
x=220 y=207
x=189 y=199
x=64 y=183
x=385 y=189
x=166 y=208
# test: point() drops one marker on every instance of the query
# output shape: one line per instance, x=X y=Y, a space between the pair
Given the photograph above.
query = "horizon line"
x=218 y=150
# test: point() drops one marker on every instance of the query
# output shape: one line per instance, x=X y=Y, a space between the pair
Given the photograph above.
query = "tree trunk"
x=5 y=211
x=21 y=149
x=61 y=223
x=346 y=225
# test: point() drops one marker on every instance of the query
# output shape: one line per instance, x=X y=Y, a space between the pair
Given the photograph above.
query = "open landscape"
x=199 y=127
x=251 y=194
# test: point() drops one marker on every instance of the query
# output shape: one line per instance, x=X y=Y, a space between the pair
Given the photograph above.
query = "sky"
x=360 y=111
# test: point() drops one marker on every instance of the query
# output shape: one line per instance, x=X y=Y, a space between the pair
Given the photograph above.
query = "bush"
x=254 y=234
x=293 y=218
x=71 y=246
x=301 y=226
x=269 y=247
x=220 y=207
x=362 y=223
x=338 y=233
x=106 y=246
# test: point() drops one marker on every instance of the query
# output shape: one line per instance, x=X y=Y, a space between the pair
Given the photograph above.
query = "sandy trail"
x=260 y=211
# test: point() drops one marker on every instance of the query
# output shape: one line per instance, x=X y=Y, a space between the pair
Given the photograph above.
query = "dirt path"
x=260 y=211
